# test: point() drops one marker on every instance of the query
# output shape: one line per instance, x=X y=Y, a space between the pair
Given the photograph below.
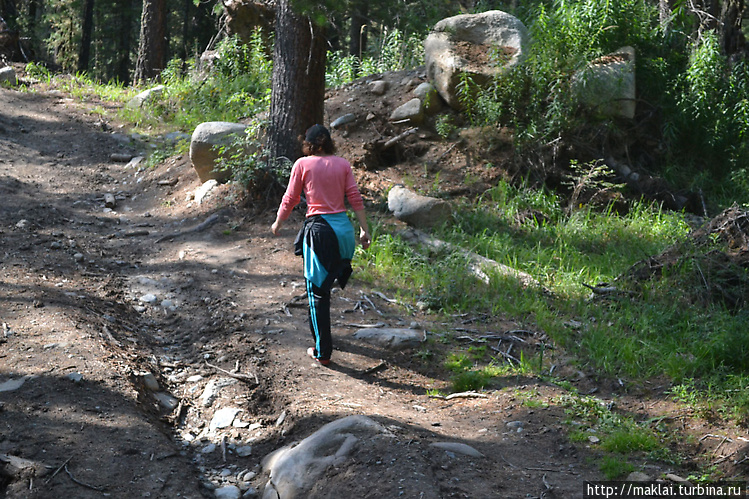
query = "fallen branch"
x=392 y=300
x=466 y=395
x=478 y=265
x=460 y=395
x=390 y=143
x=240 y=376
x=371 y=304
x=58 y=469
x=606 y=290
x=201 y=226
x=506 y=355
x=83 y=484
x=383 y=364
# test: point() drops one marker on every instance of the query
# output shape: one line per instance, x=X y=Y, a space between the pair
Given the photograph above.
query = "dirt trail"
x=90 y=303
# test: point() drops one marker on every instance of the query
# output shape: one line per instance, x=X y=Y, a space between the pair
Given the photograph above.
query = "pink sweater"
x=326 y=181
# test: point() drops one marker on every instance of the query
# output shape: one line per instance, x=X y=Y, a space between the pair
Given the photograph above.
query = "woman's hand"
x=276 y=227
x=364 y=238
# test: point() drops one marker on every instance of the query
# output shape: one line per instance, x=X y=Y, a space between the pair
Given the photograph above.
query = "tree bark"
x=298 y=81
x=152 y=50
x=357 y=32
x=124 y=40
x=84 y=54
x=732 y=39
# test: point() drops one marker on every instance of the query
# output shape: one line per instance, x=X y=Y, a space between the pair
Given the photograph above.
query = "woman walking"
x=326 y=241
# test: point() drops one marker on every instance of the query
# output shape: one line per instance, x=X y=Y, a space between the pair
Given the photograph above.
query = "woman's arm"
x=364 y=236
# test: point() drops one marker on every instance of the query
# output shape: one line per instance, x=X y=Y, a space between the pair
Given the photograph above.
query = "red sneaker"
x=311 y=352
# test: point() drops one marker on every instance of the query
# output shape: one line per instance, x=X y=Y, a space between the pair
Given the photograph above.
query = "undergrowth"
x=641 y=330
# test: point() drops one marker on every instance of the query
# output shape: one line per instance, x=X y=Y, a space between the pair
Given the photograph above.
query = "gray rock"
x=343 y=120
x=202 y=191
x=146 y=96
x=429 y=98
x=391 y=338
x=148 y=298
x=212 y=389
x=149 y=381
x=13 y=384
x=638 y=476
x=487 y=31
x=417 y=210
x=205 y=144
x=244 y=451
x=607 y=85
x=223 y=418
x=457 y=448
x=8 y=75
x=295 y=469
x=166 y=401
x=378 y=87
x=412 y=111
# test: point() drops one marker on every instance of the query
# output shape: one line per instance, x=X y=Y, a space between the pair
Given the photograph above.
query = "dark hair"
x=317 y=141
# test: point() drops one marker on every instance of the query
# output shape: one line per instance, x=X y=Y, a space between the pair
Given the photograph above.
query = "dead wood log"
x=478 y=265
x=201 y=226
x=391 y=142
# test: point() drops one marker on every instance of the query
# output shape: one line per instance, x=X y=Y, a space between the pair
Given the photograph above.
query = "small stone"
x=378 y=87
x=638 y=476
x=223 y=418
x=12 y=384
x=228 y=492
x=149 y=381
x=148 y=298
x=75 y=377
x=166 y=401
x=343 y=120
x=78 y=257
x=208 y=449
x=457 y=448
x=244 y=451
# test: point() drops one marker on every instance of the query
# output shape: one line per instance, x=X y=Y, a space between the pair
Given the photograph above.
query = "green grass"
x=659 y=327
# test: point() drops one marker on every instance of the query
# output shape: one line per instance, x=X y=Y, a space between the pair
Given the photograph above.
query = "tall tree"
x=125 y=20
x=732 y=38
x=298 y=80
x=358 y=28
x=84 y=52
x=152 y=49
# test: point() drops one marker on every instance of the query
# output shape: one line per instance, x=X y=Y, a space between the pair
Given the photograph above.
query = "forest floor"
x=117 y=320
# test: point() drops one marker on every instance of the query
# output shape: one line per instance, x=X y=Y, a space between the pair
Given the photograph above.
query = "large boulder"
x=8 y=75
x=478 y=45
x=607 y=85
x=146 y=96
x=294 y=470
x=205 y=148
x=415 y=209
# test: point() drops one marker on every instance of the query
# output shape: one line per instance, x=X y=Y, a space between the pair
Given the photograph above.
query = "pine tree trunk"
x=153 y=40
x=124 y=40
x=357 y=31
x=298 y=81
x=84 y=54
x=732 y=39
